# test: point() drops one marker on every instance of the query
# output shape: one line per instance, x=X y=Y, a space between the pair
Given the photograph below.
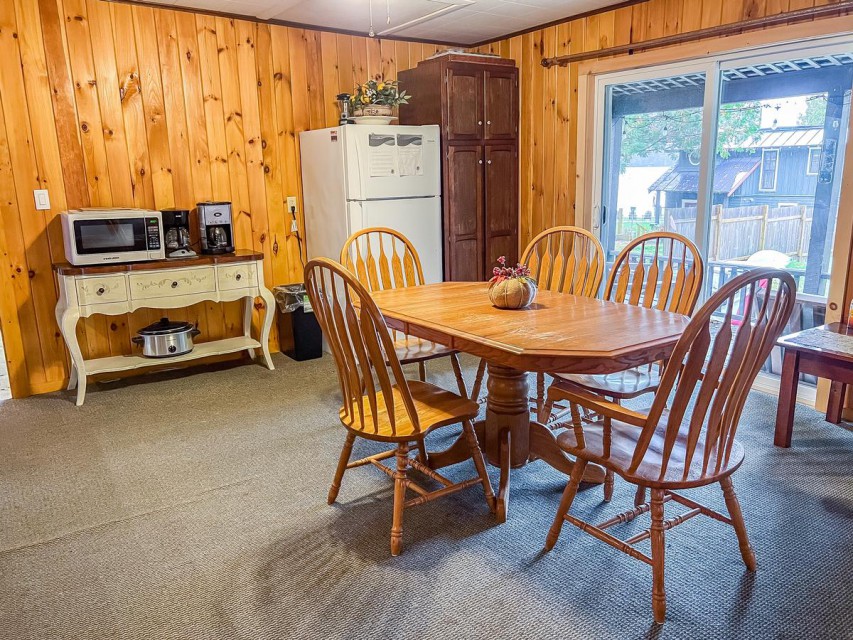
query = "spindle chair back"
x=658 y=270
x=382 y=258
x=567 y=260
x=369 y=372
x=719 y=367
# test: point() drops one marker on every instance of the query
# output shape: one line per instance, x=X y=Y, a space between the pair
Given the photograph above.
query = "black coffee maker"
x=214 y=223
x=176 y=228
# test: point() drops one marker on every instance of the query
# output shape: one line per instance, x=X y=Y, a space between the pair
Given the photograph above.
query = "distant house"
x=778 y=167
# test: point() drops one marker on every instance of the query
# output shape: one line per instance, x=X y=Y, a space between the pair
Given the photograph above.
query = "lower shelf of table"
x=201 y=350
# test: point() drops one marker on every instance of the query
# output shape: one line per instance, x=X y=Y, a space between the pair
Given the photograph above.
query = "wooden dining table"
x=558 y=333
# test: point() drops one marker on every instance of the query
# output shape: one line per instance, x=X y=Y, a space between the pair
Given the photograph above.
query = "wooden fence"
x=738 y=232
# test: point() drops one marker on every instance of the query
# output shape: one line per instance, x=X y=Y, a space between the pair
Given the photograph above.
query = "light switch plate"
x=42 y=199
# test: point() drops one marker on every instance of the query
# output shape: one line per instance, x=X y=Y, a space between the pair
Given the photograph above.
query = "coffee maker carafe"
x=217 y=232
x=176 y=227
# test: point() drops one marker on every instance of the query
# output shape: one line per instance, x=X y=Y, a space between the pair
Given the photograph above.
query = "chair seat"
x=623 y=385
x=411 y=349
x=623 y=443
x=434 y=406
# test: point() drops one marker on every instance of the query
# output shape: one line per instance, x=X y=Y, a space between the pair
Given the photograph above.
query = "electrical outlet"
x=42 y=199
x=291 y=204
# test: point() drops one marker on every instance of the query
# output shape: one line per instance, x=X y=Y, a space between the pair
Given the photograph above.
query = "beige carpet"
x=194 y=507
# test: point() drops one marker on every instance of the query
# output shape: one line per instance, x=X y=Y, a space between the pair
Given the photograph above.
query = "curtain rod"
x=711 y=32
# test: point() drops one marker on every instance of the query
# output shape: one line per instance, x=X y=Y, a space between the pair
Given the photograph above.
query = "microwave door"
x=122 y=235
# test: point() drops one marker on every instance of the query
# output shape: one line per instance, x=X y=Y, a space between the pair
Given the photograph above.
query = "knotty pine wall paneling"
x=549 y=144
x=110 y=104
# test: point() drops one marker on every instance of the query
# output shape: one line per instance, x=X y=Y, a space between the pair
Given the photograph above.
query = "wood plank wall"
x=549 y=144
x=124 y=105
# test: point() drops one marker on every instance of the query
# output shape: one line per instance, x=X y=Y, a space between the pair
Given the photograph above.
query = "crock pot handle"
x=137 y=340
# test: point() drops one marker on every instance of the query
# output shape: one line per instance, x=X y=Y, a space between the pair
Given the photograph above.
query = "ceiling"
x=463 y=22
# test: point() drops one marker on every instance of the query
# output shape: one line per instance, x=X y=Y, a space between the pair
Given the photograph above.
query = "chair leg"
x=477 y=456
x=608 y=485
x=399 y=498
x=658 y=550
x=478 y=380
x=540 y=396
x=422 y=371
x=576 y=416
x=342 y=466
x=565 y=503
x=736 y=514
x=640 y=496
x=457 y=371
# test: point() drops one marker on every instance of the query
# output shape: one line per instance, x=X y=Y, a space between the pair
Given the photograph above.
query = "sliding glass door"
x=743 y=155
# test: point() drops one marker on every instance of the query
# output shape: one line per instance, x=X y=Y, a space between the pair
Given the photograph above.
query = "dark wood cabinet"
x=474 y=99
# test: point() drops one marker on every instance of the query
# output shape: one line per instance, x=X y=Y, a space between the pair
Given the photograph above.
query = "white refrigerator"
x=360 y=176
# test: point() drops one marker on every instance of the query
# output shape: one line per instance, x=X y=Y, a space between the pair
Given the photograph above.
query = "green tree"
x=675 y=131
x=815 y=112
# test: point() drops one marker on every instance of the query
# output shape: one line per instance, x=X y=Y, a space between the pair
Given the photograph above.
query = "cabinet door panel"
x=463 y=220
x=464 y=103
x=501 y=203
x=501 y=104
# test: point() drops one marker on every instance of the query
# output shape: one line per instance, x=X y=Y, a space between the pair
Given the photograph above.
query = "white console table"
x=117 y=289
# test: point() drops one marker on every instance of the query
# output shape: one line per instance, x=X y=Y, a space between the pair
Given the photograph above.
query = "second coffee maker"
x=215 y=227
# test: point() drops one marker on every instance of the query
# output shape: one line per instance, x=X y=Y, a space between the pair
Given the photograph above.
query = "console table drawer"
x=175 y=282
x=236 y=276
x=101 y=290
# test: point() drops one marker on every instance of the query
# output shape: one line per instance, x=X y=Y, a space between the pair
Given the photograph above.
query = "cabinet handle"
x=480 y=123
x=488 y=162
x=101 y=291
x=488 y=122
x=480 y=161
x=239 y=276
x=175 y=285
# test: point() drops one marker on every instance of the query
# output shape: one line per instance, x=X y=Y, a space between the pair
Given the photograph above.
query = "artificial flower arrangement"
x=511 y=287
x=377 y=97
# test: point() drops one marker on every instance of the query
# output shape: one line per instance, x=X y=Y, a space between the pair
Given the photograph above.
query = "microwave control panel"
x=152 y=229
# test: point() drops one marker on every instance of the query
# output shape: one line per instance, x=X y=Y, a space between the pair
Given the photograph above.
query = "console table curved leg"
x=269 y=313
x=67 y=319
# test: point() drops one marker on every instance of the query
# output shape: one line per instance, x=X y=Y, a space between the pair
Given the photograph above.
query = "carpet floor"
x=192 y=506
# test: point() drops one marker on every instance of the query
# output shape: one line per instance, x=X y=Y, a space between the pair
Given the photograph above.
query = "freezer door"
x=385 y=161
x=418 y=219
x=324 y=198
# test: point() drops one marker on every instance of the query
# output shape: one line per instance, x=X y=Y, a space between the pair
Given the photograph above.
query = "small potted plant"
x=511 y=287
x=374 y=101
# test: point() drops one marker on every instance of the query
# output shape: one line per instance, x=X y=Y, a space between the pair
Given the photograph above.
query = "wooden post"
x=762 y=237
x=716 y=236
x=802 y=241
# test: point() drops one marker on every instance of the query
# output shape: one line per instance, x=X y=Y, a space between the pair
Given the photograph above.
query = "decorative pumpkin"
x=512 y=293
x=511 y=287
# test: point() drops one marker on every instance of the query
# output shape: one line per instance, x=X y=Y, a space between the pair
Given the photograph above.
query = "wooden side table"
x=825 y=352
x=116 y=289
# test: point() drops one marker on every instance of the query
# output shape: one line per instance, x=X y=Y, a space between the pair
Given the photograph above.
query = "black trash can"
x=298 y=329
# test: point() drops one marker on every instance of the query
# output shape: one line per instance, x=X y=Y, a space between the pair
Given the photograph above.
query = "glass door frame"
x=591 y=192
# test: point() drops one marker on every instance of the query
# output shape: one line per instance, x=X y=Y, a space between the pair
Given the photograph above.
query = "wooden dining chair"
x=382 y=258
x=379 y=402
x=675 y=446
x=658 y=270
x=565 y=260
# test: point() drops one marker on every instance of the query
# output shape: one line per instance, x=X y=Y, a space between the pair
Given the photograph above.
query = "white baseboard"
x=806 y=394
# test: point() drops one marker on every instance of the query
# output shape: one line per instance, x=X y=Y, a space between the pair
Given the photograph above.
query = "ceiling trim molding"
x=350 y=32
x=554 y=23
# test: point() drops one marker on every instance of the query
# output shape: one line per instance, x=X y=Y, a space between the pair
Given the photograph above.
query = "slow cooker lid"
x=164 y=327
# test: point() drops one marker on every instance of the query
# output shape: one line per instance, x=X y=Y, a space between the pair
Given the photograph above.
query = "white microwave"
x=103 y=236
